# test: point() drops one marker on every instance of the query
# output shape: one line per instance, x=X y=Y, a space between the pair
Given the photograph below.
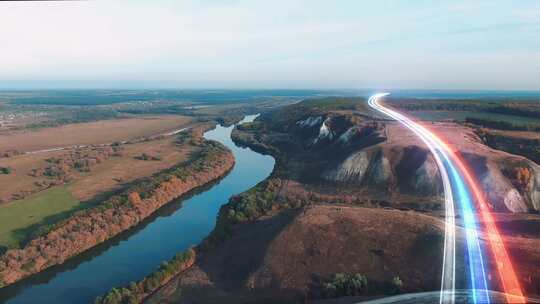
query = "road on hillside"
x=454 y=189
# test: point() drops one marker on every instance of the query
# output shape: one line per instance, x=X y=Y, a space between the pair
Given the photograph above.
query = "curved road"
x=464 y=187
x=449 y=257
x=454 y=186
x=461 y=296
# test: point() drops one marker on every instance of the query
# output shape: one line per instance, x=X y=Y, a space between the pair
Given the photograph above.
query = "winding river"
x=139 y=251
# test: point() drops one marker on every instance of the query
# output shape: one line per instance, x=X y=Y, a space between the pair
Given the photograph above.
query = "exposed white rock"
x=382 y=170
x=500 y=192
x=353 y=168
x=514 y=202
x=427 y=177
x=324 y=132
x=345 y=138
x=309 y=122
x=535 y=187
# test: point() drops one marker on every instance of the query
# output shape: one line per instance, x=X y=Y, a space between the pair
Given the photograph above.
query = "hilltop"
x=352 y=194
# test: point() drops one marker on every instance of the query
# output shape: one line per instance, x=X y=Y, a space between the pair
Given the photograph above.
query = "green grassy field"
x=19 y=218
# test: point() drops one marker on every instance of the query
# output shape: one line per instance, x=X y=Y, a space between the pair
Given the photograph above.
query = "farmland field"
x=99 y=132
x=112 y=174
x=42 y=188
x=41 y=208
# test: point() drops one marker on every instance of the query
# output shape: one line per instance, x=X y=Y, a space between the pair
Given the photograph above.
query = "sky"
x=407 y=44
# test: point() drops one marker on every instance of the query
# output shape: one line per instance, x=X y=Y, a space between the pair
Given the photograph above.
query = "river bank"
x=90 y=227
x=136 y=253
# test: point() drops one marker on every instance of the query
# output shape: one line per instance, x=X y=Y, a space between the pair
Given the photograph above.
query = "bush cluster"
x=246 y=206
x=250 y=126
x=78 y=116
x=501 y=124
x=258 y=201
x=346 y=284
x=146 y=156
x=5 y=170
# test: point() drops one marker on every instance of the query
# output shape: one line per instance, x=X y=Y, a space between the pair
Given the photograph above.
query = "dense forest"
x=529 y=109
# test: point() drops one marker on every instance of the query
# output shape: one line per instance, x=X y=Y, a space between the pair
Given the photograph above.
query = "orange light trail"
x=507 y=274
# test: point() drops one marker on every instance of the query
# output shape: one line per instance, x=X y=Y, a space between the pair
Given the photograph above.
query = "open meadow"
x=41 y=208
x=99 y=132
x=99 y=159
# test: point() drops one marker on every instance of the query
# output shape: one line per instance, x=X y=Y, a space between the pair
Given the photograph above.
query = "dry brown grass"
x=281 y=256
x=107 y=176
x=112 y=174
x=19 y=179
x=99 y=132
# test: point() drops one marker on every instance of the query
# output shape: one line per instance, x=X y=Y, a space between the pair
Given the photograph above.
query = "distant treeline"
x=501 y=125
x=83 y=115
x=523 y=109
x=515 y=111
x=441 y=106
x=165 y=109
x=104 y=97
x=529 y=148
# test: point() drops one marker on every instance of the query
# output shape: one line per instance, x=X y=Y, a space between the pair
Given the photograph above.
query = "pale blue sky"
x=272 y=44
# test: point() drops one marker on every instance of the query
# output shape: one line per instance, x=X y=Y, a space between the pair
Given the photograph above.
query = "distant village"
x=13 y=119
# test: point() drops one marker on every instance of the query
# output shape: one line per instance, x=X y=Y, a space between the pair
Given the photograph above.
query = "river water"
x=139 y=251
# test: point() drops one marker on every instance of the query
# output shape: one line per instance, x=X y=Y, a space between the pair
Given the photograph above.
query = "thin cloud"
x=409 y=44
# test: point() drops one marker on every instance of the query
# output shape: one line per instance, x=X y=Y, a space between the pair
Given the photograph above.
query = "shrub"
x=348 y=284
x=182 y=138
x=396 y=285
x=343 y=284
x=5 y=170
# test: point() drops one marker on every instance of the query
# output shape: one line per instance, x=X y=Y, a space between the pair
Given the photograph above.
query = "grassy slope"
x=36 y=209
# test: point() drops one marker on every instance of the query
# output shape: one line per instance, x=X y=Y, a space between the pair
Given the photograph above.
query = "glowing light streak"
x=507 y=274
x=476 y=265
x=448 y=286
x=512 y=289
